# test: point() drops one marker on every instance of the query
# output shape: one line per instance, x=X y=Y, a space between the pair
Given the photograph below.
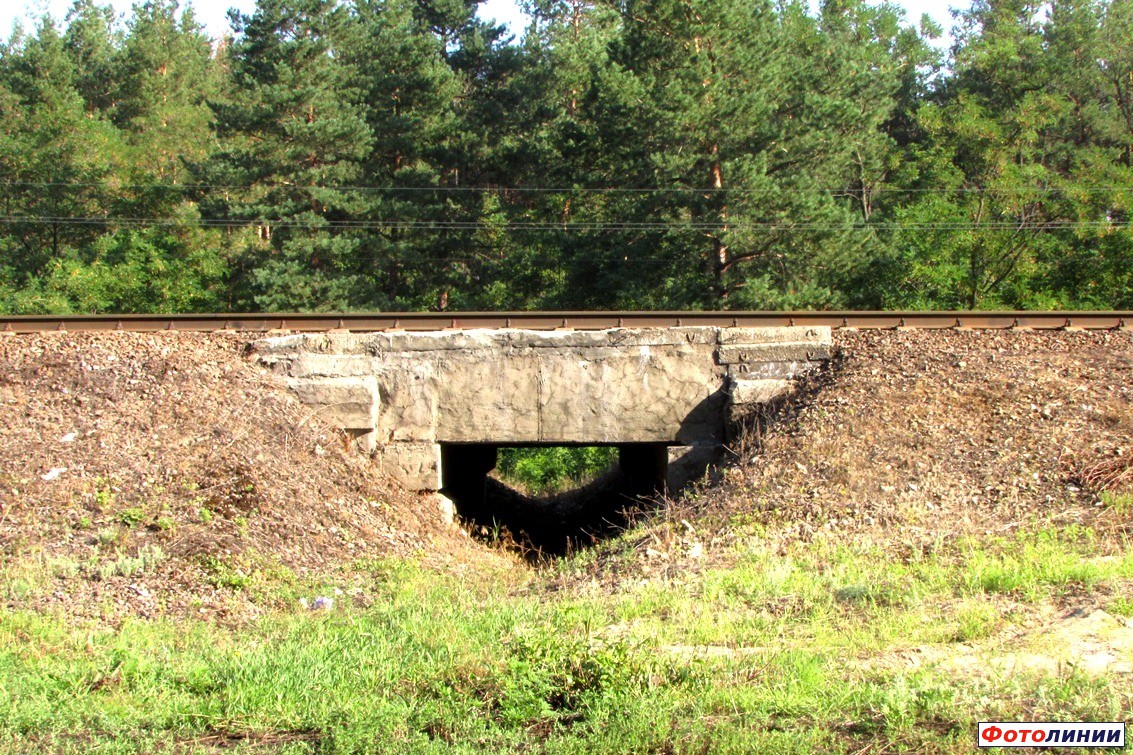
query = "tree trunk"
x=719 y=248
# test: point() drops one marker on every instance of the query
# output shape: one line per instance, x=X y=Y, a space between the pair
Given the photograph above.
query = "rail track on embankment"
x=426 y=321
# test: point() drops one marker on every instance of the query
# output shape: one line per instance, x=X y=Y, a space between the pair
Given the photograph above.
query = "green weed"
x=974 y=620
x=1121 y=606
x=222 y=574
x=771 y=653
x=1121 y=503
x=1033 y=564
x=130 y=517
x=108 y=536
x=548 y=470
x=145 y=560
x=104 y=495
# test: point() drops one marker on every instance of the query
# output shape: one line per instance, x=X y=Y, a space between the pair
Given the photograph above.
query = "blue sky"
x=212 y=13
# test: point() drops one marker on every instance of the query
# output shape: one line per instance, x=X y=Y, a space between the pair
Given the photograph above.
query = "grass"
x=767 y=652
x=552 y=469
x=1120 y=502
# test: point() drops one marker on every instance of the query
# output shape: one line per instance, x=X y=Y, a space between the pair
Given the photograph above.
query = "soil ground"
x=179 y=448
x=920 y=436
x=932 y=532
x=176 y=447
x=914 y=439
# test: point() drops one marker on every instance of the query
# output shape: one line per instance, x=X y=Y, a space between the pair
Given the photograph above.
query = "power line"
x=507 y=225
x=1019 y=189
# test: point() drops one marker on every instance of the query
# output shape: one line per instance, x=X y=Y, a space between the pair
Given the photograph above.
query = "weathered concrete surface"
x=672 y=386
x=688 y=463
x=760 y=391
x=349 y=403
x=416 y=466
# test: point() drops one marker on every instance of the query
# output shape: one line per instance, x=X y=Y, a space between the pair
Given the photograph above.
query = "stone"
x=748 y=392
x=313 y=343
x=748 y=397
x=447 y=507
x=331 y=365
x=817 y=334
x=549 y=387
x=771 y=370
x=362 y=439
x=416 y=466
x=773 y=352
x=350 y=403
x=688 y=463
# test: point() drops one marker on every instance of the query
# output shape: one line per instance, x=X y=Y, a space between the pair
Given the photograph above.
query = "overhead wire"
x=388 y=224
x=1020 y=189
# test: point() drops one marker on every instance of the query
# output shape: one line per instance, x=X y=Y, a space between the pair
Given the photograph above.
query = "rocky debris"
x=943 y=432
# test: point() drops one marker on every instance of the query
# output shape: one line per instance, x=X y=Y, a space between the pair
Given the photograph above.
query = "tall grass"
x=771 y=652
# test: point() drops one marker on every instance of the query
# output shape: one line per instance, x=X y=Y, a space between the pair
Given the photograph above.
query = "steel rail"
x=423 y=321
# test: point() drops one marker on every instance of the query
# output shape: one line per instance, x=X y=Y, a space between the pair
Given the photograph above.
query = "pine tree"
x=1088 y=148
x=166 y=77
x=296 y=140
x=1014 y=130
x=407 y=91
x=742 y=128
x=53 y=161
x=92 y=41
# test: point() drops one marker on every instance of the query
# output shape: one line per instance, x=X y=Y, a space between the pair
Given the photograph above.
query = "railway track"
x=263 y=323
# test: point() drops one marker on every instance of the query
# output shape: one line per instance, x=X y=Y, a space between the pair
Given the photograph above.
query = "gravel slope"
x=112 y=445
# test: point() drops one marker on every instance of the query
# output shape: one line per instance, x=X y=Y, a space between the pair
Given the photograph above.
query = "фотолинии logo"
x=1049 y=734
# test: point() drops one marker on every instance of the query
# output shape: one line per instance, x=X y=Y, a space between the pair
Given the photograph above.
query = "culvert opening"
x=551 y=499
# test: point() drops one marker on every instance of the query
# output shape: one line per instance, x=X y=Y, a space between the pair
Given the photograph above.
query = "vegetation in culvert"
x=553 y=469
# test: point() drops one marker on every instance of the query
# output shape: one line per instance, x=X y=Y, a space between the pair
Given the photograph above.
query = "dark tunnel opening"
x=556 y=523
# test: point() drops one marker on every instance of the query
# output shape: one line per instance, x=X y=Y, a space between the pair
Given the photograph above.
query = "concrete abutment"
x=433 y=407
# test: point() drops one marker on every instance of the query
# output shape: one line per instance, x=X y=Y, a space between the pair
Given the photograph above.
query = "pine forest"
x=365 y=155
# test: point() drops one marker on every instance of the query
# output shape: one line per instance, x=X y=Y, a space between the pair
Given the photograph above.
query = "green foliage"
x=130 y=517
x=108 y=536
x=221 y=573
x=1121 y=606
x=145 y=560
x=544 y=470
x=404 y=155
x=1032 y=566
x=1121 y=503
x=552 y=675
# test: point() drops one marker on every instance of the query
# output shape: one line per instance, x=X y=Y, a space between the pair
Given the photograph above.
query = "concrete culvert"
x=495 y=498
